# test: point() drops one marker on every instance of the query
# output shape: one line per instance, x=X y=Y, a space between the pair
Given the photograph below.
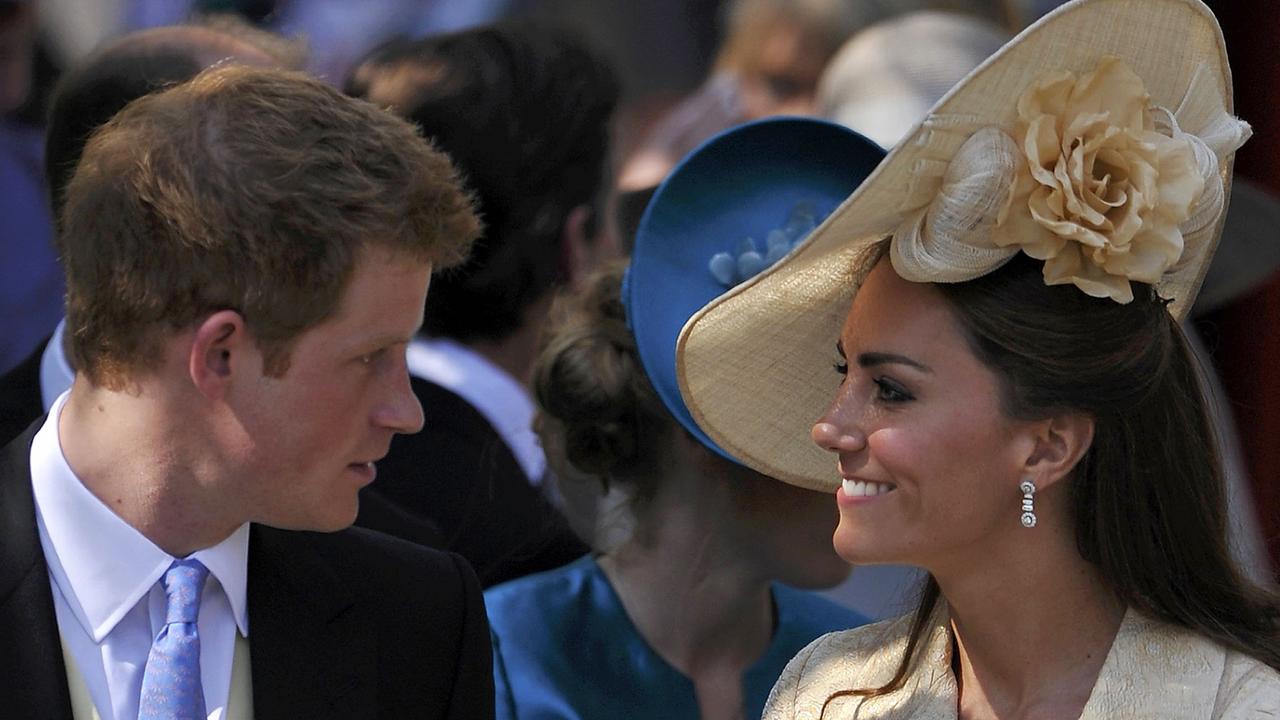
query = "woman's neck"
x=1033 y=624
x=692 y=595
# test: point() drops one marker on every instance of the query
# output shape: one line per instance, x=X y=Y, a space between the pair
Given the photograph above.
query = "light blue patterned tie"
x=171 y=687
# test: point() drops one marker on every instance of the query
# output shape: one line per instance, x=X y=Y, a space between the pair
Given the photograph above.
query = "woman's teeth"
x=857 y=488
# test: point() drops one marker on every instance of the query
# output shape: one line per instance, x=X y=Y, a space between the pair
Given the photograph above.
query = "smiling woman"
x=925 y=451
x=1017 y=410
x=1048 y=386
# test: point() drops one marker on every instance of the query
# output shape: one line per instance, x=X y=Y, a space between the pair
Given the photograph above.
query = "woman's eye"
x=891 y=392
x=841 y=367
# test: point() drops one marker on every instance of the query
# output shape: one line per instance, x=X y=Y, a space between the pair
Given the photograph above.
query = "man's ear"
x=1059 y=443
x=218 y=351
x=575 y=247
x=581 y=252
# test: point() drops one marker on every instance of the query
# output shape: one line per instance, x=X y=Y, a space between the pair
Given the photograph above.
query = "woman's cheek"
x=902 y=453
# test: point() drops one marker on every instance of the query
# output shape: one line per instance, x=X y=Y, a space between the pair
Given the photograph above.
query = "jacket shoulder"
x=377 y=561
x=409 y=621
x=1250 y=690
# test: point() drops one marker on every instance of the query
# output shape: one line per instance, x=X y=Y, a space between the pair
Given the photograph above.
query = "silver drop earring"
x=1028 y=489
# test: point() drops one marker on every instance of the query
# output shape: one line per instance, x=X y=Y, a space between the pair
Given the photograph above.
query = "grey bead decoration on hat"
x=732 y=269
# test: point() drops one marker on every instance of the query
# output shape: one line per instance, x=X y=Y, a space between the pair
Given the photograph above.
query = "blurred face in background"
x=778 y=61
x=17 y=46
x=789 y=530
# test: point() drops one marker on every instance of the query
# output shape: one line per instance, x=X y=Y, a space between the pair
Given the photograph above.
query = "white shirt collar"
x=56 y=374
x=102 y=565
x=500 y=398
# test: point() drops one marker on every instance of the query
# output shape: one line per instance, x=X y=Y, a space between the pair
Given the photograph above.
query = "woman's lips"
x=853 y=491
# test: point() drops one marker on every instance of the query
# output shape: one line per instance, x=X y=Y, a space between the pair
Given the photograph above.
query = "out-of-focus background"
x=688 y=69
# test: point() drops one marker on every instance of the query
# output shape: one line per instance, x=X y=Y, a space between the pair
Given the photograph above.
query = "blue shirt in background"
x=30 y=279
x=564 y=647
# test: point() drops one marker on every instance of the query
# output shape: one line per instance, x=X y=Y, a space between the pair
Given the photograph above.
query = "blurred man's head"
x=524 y=113
x=135 y=65
x=17 y=50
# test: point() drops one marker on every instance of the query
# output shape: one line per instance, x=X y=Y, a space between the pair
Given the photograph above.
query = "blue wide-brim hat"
x=732 y=207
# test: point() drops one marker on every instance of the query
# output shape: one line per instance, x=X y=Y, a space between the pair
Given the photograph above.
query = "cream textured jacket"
x=1154 y=671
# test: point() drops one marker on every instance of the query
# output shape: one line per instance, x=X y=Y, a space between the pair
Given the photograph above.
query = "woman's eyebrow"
x=871 y=359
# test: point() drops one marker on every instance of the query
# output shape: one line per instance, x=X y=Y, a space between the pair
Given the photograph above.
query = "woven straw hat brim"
x=755 y=365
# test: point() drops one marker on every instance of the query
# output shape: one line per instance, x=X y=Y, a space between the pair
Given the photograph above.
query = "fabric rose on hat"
x=1103 y=192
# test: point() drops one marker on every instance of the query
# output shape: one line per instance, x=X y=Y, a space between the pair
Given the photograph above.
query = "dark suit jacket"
x=352 y=624
x=20 y=402
x=459 y=475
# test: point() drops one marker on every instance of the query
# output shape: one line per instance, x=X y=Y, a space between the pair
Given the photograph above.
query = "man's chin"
x=338 y=516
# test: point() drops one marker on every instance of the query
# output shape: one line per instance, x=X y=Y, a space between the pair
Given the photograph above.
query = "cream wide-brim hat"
x=755 y=365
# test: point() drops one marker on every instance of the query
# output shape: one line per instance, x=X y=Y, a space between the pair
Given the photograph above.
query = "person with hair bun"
x=1014 y=407
x=694 y=612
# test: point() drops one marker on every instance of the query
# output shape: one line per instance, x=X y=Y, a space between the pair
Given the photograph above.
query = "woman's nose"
x=837 y=430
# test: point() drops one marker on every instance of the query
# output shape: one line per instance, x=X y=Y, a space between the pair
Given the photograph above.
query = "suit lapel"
x=308 y=653
x=31 y=662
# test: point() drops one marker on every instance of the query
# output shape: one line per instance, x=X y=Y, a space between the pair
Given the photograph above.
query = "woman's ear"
x=218 y=351
x=1059 y=443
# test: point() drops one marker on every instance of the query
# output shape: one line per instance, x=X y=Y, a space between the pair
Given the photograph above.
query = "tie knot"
x=183 y=583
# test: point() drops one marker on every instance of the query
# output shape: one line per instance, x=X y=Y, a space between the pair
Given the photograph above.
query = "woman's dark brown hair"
x=1148 y=498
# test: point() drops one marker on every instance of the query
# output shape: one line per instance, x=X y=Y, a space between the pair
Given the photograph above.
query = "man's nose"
x=402 y=412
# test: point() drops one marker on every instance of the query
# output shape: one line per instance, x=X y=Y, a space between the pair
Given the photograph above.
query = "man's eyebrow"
x=871 y=359
x=385 y=340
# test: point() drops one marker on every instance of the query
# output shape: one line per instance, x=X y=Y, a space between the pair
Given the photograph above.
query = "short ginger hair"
x=247 y=189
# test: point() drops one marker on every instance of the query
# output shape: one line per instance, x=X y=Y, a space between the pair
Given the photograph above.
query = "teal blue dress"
x=563 y=647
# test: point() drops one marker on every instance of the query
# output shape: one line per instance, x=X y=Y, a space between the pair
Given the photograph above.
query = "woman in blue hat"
x=694 y=613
